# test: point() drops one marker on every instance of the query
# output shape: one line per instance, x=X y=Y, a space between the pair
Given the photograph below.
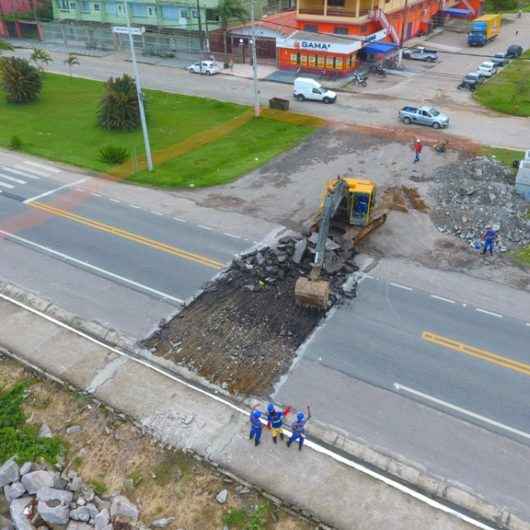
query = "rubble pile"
x=475 y=193
x=244 y=329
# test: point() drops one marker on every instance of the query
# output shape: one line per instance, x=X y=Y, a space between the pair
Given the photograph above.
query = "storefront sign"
x=342 y=46
x=375 y=36
x=309 y=45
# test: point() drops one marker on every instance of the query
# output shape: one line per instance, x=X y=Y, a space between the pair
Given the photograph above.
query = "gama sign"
x=343 y=46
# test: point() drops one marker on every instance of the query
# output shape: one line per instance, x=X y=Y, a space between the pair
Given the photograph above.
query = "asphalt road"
x=478 y=384
x=61 y=238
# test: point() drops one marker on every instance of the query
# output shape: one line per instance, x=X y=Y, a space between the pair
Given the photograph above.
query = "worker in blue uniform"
x=298 y=429
x=275 y=419
x=256 y=428
x=489 y=237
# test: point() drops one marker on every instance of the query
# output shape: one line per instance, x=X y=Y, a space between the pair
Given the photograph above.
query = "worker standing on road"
x=298 y=428
x=489 y=237
x=275 y=421
x=418 y=146
x=256 y=428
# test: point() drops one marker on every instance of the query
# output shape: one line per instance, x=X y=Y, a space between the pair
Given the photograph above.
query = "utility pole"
x=254 y=61
x=137 y=31
x=402 y=36
x=201 y=42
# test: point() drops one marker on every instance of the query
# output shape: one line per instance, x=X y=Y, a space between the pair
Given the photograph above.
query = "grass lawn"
x=62 y=126
x=506 y=156
x=509 y=90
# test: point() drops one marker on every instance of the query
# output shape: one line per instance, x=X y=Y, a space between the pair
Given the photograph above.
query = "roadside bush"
x=15 y=144
x=118 y=109
x=21 y=81
x=111 y=154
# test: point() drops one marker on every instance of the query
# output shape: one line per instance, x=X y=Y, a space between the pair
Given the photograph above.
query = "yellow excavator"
x=348 y=207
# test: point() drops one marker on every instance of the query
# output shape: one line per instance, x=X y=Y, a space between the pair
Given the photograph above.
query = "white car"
x=310 y=89
x=204 y=67
x=487 y=68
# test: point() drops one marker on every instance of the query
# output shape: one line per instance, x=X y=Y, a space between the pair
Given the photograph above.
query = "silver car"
x=424 y=116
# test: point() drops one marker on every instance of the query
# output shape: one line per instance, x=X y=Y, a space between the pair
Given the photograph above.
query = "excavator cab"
x=358 y=202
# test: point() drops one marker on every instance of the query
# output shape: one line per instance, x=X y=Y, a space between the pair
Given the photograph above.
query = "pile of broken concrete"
x=475 y=193
x=291 y=257
x=40 y=498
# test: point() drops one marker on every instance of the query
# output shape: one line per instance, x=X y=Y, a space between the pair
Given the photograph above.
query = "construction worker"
x=275 y=421
x=298 y=429
x=489 y=237
x=256 y=427
x=418 y=146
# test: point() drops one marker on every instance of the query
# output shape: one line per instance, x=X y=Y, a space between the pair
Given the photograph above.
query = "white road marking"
x=179 y=219
x=42 y=166
x=231 y=235
x=115 y=200
x=55 y=190
x=6 y=185
x=491 y=314
x=99 y=270
x=24 y=173
x=401 y=286
x=309 y=443
x=205 y=227
x=443 y=299
x=80 y=190
x=528 y=324
x=12 y=179
x=96 y=194
x=450 y=406
x=157 y=213
x=135 y=206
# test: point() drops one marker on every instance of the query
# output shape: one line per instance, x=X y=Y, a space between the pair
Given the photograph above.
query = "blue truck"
x=483 y=29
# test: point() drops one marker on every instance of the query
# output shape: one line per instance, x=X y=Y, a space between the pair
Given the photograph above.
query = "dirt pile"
x=244 y=330
x=472 y=194
x=403 y=199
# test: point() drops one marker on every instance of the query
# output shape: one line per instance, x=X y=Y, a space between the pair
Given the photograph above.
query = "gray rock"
x=87 y=493
x=45 y=431
x=75 y=484
x=122 y=507
x=73 y=429
x=222 y=496
x=8 y=472
x=76 y=525
x=5 y=523
x=162 y=522
x=81 y=501
x=94 y=512
x=80 y=514
x=102 y=520
x=17 y=509
x=14 y=491
x=26 y=467
x=299 y=250
x=54 y=505
x=36 y=480
x=101 y=504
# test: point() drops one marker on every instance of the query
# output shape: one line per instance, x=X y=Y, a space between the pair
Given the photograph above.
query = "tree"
x=5 y=46
x=21 y=81
x=41 y=58
x=119 y=109
x=229 y=10
x=70 y=61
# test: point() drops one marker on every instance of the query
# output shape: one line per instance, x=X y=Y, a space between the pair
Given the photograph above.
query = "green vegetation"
x=509 y=90
x=175 y=466
x=15 y=144
x=245 y=519
x=136 y=477
x=99 y=487
x=112 y=154
x=506 y=156
x=71 y=60
x=21 y=82
x=62 y=125
x=41 y=58
x=522 y=256
x=119 y=109
x=16 y=437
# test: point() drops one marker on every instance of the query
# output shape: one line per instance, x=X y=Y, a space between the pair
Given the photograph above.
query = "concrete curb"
x=411 y=474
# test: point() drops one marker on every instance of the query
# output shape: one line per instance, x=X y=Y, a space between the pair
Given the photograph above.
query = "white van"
x=307 y=88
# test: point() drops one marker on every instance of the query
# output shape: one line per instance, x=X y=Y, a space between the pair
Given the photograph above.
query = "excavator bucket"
x=312 y=293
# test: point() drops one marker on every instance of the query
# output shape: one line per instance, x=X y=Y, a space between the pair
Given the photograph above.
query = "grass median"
x=62 y=126
x=509 y=91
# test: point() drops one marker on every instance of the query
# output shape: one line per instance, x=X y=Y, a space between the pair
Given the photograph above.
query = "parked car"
x=499 y=60
x=424 y=116
x=470 y=82
x=487 y=68
x=205 y=68
x=420 y=54
x=310 y=89
x=514 y=51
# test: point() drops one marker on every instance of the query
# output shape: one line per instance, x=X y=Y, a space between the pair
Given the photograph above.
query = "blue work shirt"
x=490 y=235
x=275 y=418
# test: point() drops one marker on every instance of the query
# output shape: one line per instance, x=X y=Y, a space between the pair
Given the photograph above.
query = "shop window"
x=350 y=61
x=321 y=61
x=338 y=63
x=97 y=7
x=312 y=60
x=340 y=31
x=294 y=58
x=303 y=59
x=336 y=3
x=310 y=27
x=329 y=62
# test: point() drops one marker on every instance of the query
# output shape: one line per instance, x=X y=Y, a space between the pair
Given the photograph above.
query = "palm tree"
x=70 y=61
x=41 y=58
x=20 y=80
x=5 y=46
x=229 y=10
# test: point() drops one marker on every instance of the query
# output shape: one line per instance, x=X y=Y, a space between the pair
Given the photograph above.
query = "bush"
x=21 y=81
x=119 y=108
x=111 y=154
x=15 y=143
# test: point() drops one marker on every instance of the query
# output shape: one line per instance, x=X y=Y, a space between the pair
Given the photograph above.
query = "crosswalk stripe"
x=22 y=173
x=12 y=179
x=42 y=166
x=5 y=185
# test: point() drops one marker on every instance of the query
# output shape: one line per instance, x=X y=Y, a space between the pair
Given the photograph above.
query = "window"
x=316 y=91
x=85 y=7
x=310 y=27
x=63 y=4
x=293 y=58
x=338 y=63
x=212 y=14
x=184 y=13
x=150 y=12
x=329 y=62
x=336 y=3
x=73 y=5
x=170 y=12
x=312 y=60
x=303 y=59
x=340 y=31
x=97 y=7
x=121 y=10
x=194 y=13
x=138 y=10
x=321 y=61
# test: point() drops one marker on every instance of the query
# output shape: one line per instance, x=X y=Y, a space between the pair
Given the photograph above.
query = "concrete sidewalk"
x=328 y=486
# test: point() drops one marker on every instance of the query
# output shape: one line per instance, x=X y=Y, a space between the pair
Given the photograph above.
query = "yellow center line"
x=119 y=232
x=485 y=355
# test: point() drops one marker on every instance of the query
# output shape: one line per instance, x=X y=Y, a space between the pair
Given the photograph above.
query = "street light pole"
x=402 y=36
x=254 y=62
x=139 y=94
